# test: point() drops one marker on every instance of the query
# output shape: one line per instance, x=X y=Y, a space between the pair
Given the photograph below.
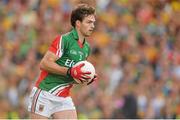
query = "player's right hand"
x=76 y=73
x=94 y=79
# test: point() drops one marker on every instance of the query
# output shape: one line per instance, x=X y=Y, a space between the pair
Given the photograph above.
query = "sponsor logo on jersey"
x=69 y=63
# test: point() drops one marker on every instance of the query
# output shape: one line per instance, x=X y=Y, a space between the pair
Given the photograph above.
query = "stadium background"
x=135 y=49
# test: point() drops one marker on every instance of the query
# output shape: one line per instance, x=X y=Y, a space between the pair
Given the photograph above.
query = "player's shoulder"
x=67 y=35
x=56 y=39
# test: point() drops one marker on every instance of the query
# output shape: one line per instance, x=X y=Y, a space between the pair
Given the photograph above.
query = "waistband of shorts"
x=61 y=93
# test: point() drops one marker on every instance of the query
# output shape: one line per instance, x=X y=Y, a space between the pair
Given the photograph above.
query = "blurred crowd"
x=135 y=49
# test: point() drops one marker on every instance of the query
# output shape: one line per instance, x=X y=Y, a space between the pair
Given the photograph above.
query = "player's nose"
x=92 y=27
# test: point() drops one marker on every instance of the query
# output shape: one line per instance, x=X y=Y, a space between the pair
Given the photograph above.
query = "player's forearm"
x=52 y=67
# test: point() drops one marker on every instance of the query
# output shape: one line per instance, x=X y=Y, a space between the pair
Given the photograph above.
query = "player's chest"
x=76 y=53
x=73 y=54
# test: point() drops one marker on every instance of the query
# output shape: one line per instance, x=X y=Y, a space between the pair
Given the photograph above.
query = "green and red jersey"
x=69 y=51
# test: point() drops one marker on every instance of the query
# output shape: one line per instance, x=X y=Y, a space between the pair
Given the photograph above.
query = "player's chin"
x=88 y=34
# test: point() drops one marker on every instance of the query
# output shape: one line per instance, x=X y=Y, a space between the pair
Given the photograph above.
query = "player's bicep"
x=48 y=59
x=50 y=56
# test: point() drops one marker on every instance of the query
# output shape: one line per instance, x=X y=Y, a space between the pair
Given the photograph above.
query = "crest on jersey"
x=74 y=52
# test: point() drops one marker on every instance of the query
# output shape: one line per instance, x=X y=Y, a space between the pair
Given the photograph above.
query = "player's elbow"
x=42 y=64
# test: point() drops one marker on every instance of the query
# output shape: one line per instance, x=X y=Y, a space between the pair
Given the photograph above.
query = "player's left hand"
x=94 y=79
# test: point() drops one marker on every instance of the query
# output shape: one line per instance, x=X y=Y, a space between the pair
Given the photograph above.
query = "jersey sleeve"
x=56 y=46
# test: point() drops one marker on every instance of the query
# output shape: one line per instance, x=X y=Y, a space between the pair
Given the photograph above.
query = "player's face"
x=87 y=25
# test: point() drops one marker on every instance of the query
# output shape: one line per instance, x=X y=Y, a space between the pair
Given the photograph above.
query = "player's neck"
x=81 y=37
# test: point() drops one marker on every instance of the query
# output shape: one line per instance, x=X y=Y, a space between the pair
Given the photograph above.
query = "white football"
x=88 y=67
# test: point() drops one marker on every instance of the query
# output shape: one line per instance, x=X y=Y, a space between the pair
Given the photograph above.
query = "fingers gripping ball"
x=88 y=72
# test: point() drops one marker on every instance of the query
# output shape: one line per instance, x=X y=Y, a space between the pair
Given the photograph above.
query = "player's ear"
x=78 y=23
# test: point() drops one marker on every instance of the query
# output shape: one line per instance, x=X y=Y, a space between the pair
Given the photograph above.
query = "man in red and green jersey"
x=50 y=96
x=69 y=51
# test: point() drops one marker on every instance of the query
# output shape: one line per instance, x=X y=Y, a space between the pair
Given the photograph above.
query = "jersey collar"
x=75 y=35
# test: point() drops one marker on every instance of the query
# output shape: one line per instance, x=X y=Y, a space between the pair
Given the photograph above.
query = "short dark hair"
x=81 y=11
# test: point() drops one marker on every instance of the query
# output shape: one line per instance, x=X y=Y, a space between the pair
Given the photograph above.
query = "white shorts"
x=43 y=103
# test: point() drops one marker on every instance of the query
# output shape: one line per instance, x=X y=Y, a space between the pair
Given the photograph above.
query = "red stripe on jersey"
x=80 y=44
x=65 y=92
x=55 y=45
x=41 y=77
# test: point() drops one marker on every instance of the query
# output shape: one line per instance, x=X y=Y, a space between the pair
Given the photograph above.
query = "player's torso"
x=71 y=54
